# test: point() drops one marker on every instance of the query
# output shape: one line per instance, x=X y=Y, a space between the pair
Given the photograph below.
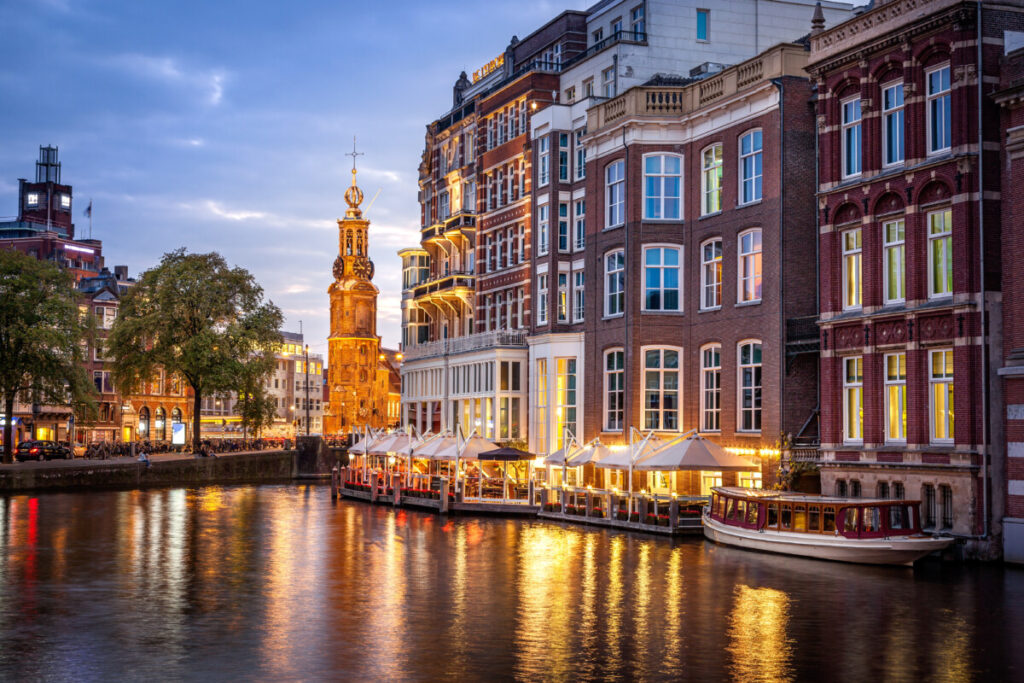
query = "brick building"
x=909 y=259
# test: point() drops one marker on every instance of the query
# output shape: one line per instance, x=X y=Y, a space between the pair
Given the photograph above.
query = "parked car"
x=41 y=450
x=79 y=450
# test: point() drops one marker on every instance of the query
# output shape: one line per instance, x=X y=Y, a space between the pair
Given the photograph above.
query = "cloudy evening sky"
x=219 y=125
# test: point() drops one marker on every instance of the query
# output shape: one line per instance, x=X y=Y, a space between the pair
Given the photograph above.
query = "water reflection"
x=277 y=582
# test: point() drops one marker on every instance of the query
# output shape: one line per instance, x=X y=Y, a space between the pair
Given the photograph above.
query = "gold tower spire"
x=353 y=195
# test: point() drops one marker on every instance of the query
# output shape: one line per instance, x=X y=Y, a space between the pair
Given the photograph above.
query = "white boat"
x=866 y=531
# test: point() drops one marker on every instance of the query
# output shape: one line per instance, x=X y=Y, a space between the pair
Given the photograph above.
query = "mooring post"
x=565 y=500
x=444 y=495
x=673 y=513
x=334 y=483
x=396 y=489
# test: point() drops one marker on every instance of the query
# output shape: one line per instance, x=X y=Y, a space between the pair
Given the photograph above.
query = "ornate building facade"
x=353 y=345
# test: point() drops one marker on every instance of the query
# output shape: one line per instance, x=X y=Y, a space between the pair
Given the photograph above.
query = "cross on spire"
x=354 y=154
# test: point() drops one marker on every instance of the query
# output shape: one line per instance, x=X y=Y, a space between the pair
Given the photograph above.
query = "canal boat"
x=861 y=530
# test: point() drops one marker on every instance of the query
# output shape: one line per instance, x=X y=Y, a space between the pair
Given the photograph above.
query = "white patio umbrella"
x=693 y=452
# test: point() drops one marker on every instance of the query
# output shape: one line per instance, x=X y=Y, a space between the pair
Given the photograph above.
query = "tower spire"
x=353 y=195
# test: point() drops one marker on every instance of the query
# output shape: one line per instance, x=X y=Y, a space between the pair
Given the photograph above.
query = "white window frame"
x=853 y=389
x=713 y=393
x=542 y=299
x=579 y=237
x=663 y=269
x=662 y=370
x=757 y=390
x=711 y=274
x=620 y=391
x=662 y=178
x=945 y=237
x=564 y=236
x=615 y=194
x=581 y=154
x=711 y=179
x=753 y=259
x=564 y=172
x=946 y=112
x=544 y=172
x=543 y=229
x=578 y=295
x=756 y=159
x=562 y=283
x=608 y=82
x=895 y=383
x=893 y=114
x=619 y=291
x=853 y=299
x=935 y=381
x=851 y=136
x=894 y=248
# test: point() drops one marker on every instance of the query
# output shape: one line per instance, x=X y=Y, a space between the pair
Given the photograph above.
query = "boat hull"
x=898 y=550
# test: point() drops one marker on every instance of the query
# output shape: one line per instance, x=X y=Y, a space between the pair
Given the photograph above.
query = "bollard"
x=334 y=483
x=396 y=489
x=609 y=512
x=673 y=513
x=444 y=495
x=531 y=493
x=374 y=487
x=589 y=504
x=565 y=501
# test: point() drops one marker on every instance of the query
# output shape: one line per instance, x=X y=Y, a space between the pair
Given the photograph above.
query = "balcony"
x=450 y=282
x=461 y=222
x=471 y=342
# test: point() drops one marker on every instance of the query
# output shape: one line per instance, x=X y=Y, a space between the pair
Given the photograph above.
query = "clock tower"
x=353 y=345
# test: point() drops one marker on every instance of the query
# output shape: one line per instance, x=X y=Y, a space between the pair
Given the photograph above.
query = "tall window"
x=892 y=124
x=941 y=379
x=615 y=194
x=563 y=227
x=615 y=390
x=579 y=239
x=711 y=274
x=581 y=155
x=750 y=386
x=703 y=25
x=896 y=397
x=851 y=137
x=661 y=279
x=661 y=389
x=853 y=399
x=541 y=401
x=928 y=506
x=563 y=297
x=946 y=499
x=578 y=293
x=852 y=285
x=940 y=128
x=545 y=161
x=940 y=254
x=636 y=17
x=543 y=228
x=615 y=283
x=608 y=82
x=542 y=303
x=711 y=180
x=662 y=180
x=565 y=399
x=711 y=388
x=563 y=157
x=750 y=167
x=750 y=266
x=894 y=243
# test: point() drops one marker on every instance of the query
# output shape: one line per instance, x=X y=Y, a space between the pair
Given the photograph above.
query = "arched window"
x=750 y=167
x=749 y=266
x=749 y=386
x=614 y=282
x=711 y=180
x=160 y=425
x=144 y=423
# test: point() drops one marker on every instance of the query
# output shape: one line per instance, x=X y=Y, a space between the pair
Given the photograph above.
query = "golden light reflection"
x=614 y=602
x=760 y=647
x=674 y=613
x=642 y=608
x=544 y=616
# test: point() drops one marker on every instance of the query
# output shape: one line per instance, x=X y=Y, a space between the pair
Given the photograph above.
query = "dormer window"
x=32 y=199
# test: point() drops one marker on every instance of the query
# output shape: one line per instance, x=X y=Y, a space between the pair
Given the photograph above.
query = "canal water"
x=278 y=582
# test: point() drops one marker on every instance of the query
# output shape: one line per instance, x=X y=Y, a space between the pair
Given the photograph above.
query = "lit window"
x=661 y=389
x=579 y=225
x=940 y=128
x=750 y=167
x=892 y=124
x=711 y=388
x=941 y=380
x=615 y=194
x=542 y=229
x=711 y=180
x=851 y=137
x=750 y=266
x=615 y=283
x=703 y=25
x=711 y=274
x=542 y=299
x=940 y=254
x=563 y=297
x=65 y=202
x=895 y=260
x=662 y=180
x=32 y=199
x=853 y=399
x=661 y=279
x=852 y=252
x=615 y=390
x=578 y=296
x=750 y=386
x=896 y=397
x=565 y=400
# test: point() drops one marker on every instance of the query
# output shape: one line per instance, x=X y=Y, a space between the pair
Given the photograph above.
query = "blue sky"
x=219 y=125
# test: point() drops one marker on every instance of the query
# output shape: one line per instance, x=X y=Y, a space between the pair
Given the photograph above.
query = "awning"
x=363 y=446
x=505 y=454
x=397 y=442
x=694 y=453
x=441 y=447
x=475 y=447
x=621 y=457
x=558 y=458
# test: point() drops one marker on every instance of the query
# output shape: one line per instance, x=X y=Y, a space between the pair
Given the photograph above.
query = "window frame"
x=706 y=392
x=757 y=278
x=706 y=13
x=620 y=291
x=756 y=178
x=662 y=268
x=620 y=391
x=900 y=385
x=757 y=389
x=947 y=111
x=579 y=224
x=851 y=255
x=579 y=294
x=853 y=388
x=893 y=112
x=543 y=229
x=716 y=169
x=661 y=369
x=892 y=245
x=945 y=236
x=542 y=298
x=663 y=178
x=544 y=168
x=934 y=381
x=716 y=264
x=615 y=194
x=845 y=143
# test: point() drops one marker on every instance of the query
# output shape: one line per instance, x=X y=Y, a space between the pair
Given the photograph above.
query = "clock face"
x=363 y=268
x=339 y=268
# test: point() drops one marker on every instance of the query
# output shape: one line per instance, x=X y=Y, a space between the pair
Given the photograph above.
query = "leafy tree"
x=256 y=408
x=192 y=315
x=41 y=332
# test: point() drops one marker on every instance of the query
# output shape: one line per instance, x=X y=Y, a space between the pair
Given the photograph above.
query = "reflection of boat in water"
x=868 y=531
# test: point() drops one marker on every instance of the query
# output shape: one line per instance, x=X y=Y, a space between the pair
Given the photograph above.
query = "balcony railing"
x=471 y=342
x=448 y=281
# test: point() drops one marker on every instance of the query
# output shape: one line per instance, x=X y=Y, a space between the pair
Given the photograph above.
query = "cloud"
x=209 y=82
x=218 y=210
x=296 y=289
x=390 y=176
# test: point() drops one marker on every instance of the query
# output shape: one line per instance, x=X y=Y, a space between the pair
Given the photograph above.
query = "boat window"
x=740 y=511
x=752 y=509
x=850 y=520
x=773 y=515
x=787 y=517
x=714 y=503
x=722 y=502
x=799 y=518
x=871 y=519
x=899 y=517
x=829 y=520
x=814 y=518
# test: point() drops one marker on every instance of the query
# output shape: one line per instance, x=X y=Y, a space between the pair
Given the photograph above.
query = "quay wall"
x=241 y=468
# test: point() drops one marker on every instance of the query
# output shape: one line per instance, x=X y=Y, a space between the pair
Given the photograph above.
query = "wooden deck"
x=685 y=526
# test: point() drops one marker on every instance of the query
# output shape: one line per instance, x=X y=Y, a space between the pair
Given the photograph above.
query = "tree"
x=41 y=331
x=254 y=406
x=191 y=315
